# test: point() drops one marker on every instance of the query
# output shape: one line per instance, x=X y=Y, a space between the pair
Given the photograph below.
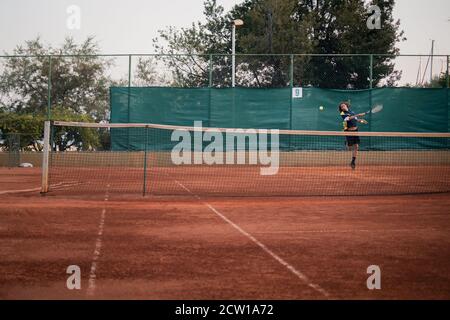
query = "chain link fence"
x=19 y=148
x=82 y=83
x=77 y=87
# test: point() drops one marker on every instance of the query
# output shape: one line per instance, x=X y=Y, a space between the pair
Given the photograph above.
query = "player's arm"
x=348 y=117
x=354 y=116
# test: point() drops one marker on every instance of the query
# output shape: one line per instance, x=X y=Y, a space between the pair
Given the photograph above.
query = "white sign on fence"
x=297 y=92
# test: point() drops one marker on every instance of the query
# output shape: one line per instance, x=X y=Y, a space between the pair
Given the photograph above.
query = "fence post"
x=129 y=99
x=210 y=88
x=129 y=85
x=13 y=149
x=448 y=86
x=370 y=97
x=448 y=67
x=144 y=188
x=291 y=85
x=49 y=88
x=233 y=91
x=210 y=69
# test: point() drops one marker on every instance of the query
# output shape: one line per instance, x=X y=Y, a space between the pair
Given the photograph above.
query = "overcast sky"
x=129 y=26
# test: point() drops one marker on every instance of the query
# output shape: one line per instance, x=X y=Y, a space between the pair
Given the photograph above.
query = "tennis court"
x=224 y=152
x=197 y=245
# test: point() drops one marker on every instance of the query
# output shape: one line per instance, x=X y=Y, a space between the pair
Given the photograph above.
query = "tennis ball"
x=321 y=108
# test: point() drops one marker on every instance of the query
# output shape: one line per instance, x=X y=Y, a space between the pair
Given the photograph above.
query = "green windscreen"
x=404 y=110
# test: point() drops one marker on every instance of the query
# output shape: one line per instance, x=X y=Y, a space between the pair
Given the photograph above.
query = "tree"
x=146 y=73
x=28 y=129
x=269 y=29
x=290 y=26
x=20 y=132
x=78 y=81
x=437 y=82
x=189 y=48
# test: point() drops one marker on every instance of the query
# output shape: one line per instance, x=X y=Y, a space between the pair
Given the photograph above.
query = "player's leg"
x=355 y=149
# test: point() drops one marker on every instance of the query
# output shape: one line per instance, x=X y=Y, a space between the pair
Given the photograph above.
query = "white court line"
x=98 y=246
x=296 y=272
x=20 y=191
x=57 y=185
x=345 y=231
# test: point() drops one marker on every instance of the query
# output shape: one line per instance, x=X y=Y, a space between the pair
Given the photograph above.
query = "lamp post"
x=235 y=23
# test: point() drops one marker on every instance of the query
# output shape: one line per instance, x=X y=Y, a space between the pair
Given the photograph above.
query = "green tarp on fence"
x=405 y=110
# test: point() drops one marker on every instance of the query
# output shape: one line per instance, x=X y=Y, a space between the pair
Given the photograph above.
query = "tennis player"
x=351 y=124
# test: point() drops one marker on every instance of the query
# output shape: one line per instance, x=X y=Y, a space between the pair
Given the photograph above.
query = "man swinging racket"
x=351 y=124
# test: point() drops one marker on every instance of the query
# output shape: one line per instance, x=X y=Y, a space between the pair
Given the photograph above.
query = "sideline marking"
x=97 y=250
x=296 y=272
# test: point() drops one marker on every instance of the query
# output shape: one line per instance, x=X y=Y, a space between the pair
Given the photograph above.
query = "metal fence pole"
x=448 y=67
x=49 y=88
x=210 y=88
x=291 y=85
x=129 y=99
x=233 y=94
x=13 y=149
x=448 y=105
x=370 y=95
x=129 y=86
x=210 y=70
x=144 y=188
x=233 y=56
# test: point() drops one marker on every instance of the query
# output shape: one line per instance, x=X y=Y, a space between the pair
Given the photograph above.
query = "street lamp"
x=235 y=23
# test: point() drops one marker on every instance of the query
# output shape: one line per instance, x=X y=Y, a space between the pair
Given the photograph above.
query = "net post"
x=45 y=157
x=49 y=88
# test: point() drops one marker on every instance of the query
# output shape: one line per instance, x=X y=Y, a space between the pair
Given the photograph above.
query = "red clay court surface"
x=163 y=247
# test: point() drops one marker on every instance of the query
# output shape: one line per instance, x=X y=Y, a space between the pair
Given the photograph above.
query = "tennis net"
x=150 y=159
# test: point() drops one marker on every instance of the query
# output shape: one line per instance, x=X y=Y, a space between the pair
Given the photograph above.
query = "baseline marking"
x=54 y=186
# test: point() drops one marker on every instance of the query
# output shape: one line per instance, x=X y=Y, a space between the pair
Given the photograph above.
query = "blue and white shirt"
x=349 y=123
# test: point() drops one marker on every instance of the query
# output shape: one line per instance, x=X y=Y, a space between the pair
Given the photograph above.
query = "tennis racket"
x=375 y=109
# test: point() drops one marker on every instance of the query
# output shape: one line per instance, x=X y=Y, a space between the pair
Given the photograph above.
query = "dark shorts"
x=352 y=140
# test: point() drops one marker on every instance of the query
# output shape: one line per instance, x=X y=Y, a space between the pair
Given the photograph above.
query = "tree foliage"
x=147 y=73
x=78 y=81
x=439 y=81
x=20 y=131
x=283 y=27
x=187 y=50
x=28 y=130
